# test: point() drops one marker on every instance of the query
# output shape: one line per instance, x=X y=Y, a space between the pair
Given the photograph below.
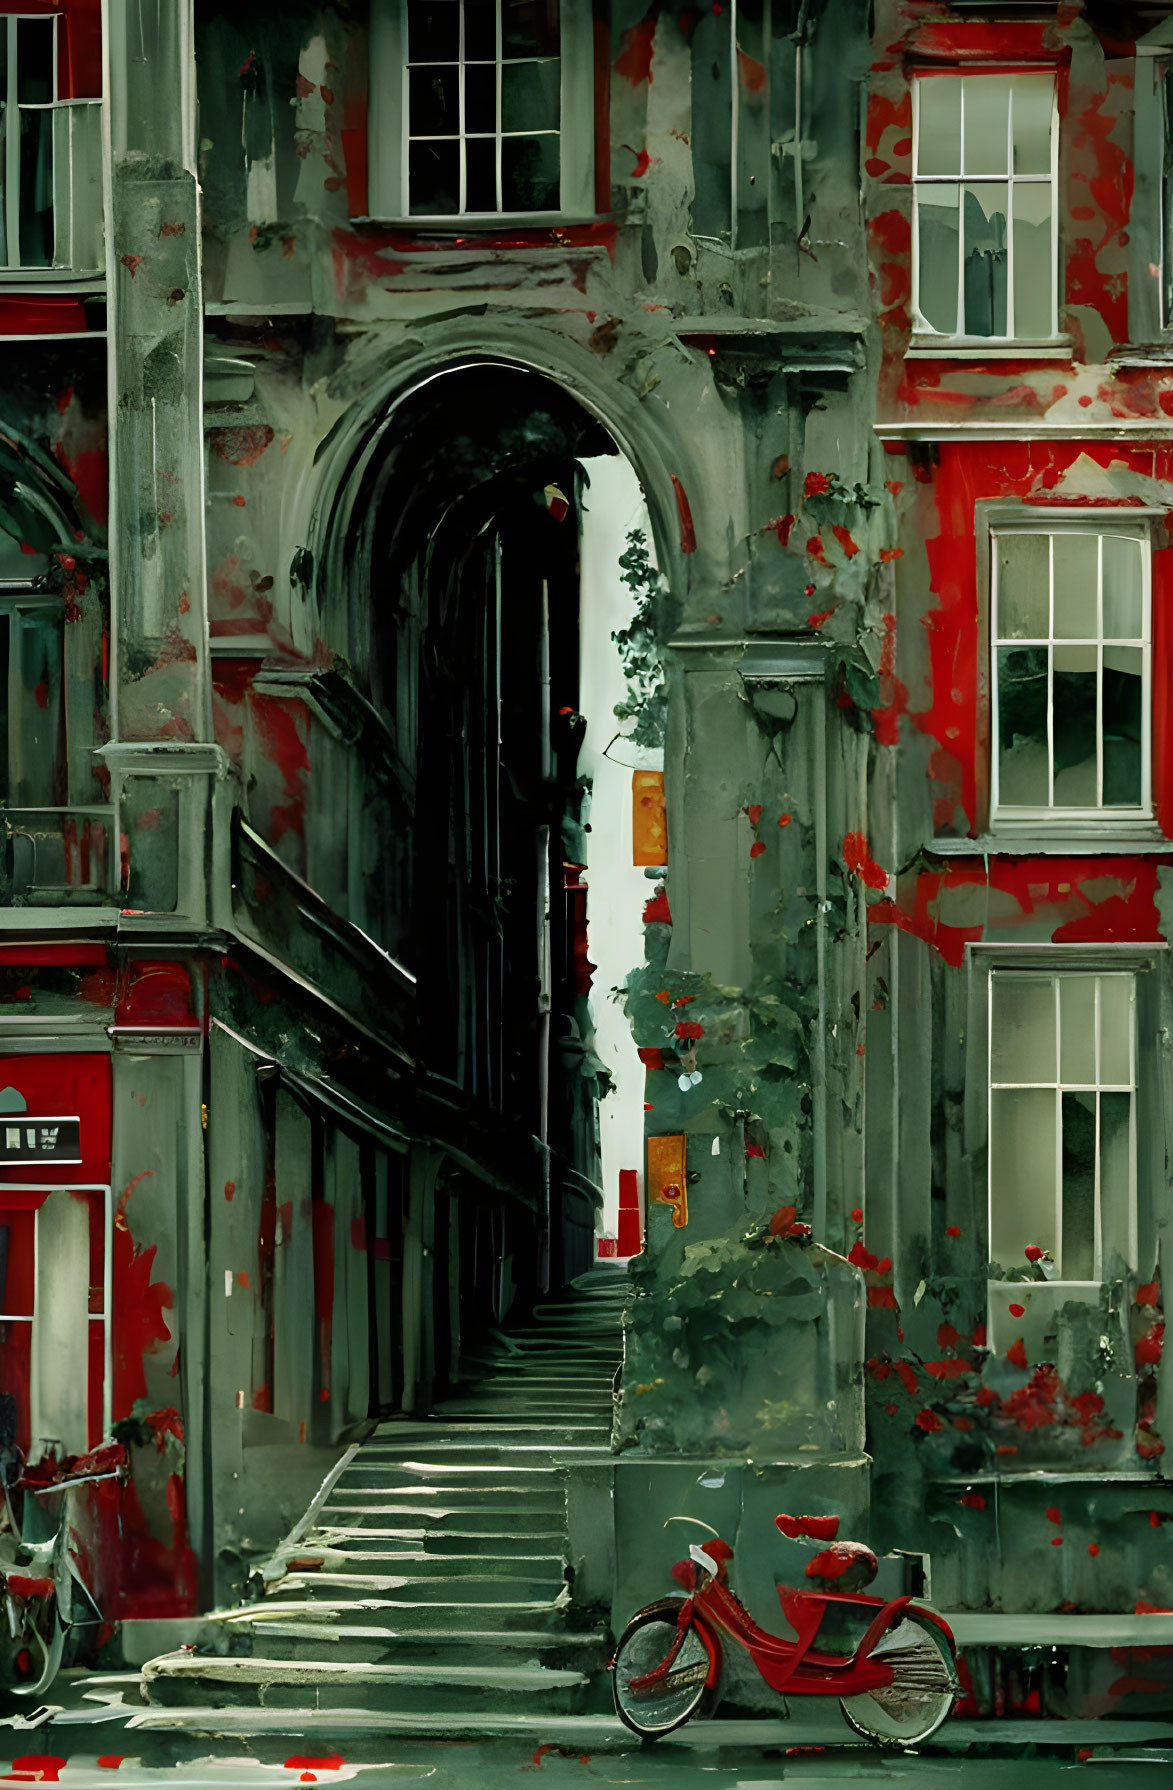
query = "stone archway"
x=456 y=541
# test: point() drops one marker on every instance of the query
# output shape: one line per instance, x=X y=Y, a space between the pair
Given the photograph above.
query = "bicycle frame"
x=714 y=1612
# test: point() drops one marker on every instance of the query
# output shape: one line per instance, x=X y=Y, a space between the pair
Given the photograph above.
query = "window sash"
x=100 y=1319
x=1053 y=641
x=963 y=181
x=1121 y=1226
x=54 y=146
x=391 y=138
x=464 y=136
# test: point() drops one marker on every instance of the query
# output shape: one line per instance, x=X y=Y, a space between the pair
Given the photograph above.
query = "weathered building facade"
x=319 y=364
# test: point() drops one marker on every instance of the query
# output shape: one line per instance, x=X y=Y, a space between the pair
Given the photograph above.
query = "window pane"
x=434 y=173
x=937 y=211
x=1122 y=588
x=986 y=101
x=36 y=189
x=985 y=260
x=1116 y=1029
x=435 y=102
x=1022 y=1029
x=1123 y=684
x=480 y=31
x=1022 y=726
x=1024 y=586
x=433 y=31
x=1075 y=725
x=529 y=27
x=1076 y=578
x=1033 y=95
x=34 y=61
x=20 y=1261
x=480 y=98
x=530 y=173
x=1022 y=1172
x=1116 y=1177
x=939 y=142
x=480 y=174
x=1078 y=1255
x=1034 y=310
x=35 y=717
x=1077 y=1028
x=531 y=96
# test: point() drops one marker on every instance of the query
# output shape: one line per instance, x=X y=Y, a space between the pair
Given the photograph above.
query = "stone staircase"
x=430 y=1571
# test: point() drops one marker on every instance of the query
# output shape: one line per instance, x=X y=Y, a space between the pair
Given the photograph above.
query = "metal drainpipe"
x=800 y=35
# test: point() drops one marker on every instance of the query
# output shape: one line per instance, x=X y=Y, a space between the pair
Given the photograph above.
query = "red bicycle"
x=891 y=1662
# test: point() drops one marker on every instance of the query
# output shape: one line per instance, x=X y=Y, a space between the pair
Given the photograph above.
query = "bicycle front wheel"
x=922 y=1692
x=658 y=1708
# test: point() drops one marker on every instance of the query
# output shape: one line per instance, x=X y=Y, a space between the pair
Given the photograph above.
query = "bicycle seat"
x=846 y=1566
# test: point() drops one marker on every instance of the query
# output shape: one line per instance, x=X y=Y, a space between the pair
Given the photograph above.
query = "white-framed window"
x=1071 y=672
x=481 y=109
x=1163 y=79
x=50 y=157
x=1063 y=1119
x=57 y=1360
x=985 y=233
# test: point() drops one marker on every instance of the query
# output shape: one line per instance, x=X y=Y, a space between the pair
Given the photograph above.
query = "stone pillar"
x=160 y=675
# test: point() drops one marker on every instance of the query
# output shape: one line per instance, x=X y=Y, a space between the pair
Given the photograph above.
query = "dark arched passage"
x=464 y=603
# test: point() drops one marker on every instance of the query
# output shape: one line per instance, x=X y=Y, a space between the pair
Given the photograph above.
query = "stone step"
x=542 y=1374
x=490 y=1410
x=186 y=1678
x=493 y=1543
x=365 y=1641
x=488 y=1473
x=399 y=1615
x=453 y=1510
x=479 y=1588
x=541 y=1346
x=489 y=1456
x=513 y=1395
x=388 y=1443
x=419 y=1563
x=530 y=1440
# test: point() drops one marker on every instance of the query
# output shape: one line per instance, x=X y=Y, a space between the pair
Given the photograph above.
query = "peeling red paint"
x=1121 y=908
x=636 y=48
x=138 y=1326
x=687 y=531
x=752 y=72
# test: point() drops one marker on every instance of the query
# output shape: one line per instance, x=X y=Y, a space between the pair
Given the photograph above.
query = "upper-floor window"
x=984 y=174
x=481 y=109
x=1071 y=673
x=1062 y=1120
x=50 y=156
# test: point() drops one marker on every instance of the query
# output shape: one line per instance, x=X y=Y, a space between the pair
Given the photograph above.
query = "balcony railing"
x=51 y=215
x=58 y=857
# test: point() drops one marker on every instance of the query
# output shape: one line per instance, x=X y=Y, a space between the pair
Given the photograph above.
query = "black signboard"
x=25 y=1141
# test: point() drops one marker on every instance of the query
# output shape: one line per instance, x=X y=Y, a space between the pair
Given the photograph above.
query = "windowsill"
x=489 y=224
x=1143 y=354
x=1015 y=842
x=35 y=279
x=924 y=346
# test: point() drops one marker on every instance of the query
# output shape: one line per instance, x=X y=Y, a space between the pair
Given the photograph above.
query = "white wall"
x=613 y=504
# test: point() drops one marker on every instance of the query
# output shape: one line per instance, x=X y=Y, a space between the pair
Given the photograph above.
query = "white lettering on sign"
x=33 y=1140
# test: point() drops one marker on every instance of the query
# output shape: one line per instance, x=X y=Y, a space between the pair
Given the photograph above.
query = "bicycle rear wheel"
x=922 y=1692
x=657 y=1709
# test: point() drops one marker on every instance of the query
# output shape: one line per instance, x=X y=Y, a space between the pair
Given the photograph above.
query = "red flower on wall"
x=689 y=1028
x=816 y=484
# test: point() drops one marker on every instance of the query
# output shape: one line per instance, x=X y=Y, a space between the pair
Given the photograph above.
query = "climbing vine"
x=641 y=644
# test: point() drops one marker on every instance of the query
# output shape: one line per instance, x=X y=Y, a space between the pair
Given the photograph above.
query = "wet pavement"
x=108 y=1739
